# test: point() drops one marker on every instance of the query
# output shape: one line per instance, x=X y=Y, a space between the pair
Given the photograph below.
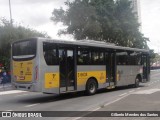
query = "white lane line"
x=138 y=88
x=122 y=94
x=31 y=105
x=21 y=95
x=115 y=100
x=11 y=92
x=96 y=109
x=99 y=108
x=8 y=110
x=131 y=91
x=148 y=91
x=87 y=113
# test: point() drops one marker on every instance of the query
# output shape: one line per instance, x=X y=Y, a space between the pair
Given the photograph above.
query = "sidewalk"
x=6 y=87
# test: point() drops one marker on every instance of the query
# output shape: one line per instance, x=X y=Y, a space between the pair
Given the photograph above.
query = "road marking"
x=131 y=91
x=21 y=95
x=31 y=105
x=115 y=100
x=8 y=110
x=149 y=91
x=122 y=94
x=87 y=113
x=99 y=108
x=11 y=92
x=96 y=109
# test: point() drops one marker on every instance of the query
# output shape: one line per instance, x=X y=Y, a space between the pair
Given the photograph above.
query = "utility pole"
x=10 y=12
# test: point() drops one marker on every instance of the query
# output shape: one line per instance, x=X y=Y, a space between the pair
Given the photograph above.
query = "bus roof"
x=91 y=43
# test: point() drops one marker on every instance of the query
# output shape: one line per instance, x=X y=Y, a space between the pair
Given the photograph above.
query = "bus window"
x=122 y=58
x=50 y=55
x=134 y=58
x=138 y=59
x=24 y=49
x=83 y=57
x=101 y=58
x=95 y=58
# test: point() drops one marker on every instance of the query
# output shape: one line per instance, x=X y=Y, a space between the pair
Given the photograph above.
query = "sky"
x=36 y=14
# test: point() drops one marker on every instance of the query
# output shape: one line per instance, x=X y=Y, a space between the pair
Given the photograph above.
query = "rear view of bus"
x=24 y=65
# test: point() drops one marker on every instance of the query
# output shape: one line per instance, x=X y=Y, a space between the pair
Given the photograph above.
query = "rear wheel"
x=91 y=87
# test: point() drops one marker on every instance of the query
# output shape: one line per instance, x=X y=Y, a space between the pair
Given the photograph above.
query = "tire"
x=137 y=82
x=91 y=87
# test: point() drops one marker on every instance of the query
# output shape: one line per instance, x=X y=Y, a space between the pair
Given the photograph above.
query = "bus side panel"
x=127 y=74
x=48 y=75
x=50 y=79
x=84 y=72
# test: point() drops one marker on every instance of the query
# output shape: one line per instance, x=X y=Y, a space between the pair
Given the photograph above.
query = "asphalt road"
x=144 y=98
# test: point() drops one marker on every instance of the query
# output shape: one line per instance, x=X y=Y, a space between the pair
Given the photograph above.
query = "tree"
x=155 y=59
x=102 y=20
x=10 y=33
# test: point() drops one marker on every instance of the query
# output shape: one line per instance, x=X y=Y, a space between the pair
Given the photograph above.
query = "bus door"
x=111 y=68
x=67 y=69
x=146 y=67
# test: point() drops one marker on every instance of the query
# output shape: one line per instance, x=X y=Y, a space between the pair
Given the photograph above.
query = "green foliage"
x=102 y=20
x=152 y=57
x=155 y=58
x=10 y=33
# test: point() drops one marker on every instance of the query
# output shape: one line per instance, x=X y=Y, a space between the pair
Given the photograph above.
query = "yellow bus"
x=56 y=66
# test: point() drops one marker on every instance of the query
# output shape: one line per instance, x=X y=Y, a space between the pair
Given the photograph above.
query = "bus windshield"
x=24 y=49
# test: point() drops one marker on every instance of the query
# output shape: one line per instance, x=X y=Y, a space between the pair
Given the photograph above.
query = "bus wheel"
x=137 y=82
x=91 y=87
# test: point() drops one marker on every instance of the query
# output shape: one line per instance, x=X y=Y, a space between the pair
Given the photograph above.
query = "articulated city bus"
x=55 y=66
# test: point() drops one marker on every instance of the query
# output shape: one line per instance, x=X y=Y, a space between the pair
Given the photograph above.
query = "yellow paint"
x=23 y=70
x=118 y=75
x=51 y=80
x=82 y=77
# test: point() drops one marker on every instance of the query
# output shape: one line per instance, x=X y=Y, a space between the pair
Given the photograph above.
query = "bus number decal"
x=84 y=74
x=54 y=75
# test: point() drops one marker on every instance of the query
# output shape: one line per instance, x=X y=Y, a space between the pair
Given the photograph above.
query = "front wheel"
x=91 y=87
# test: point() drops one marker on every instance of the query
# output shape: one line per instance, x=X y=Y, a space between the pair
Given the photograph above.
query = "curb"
x=5 y=87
